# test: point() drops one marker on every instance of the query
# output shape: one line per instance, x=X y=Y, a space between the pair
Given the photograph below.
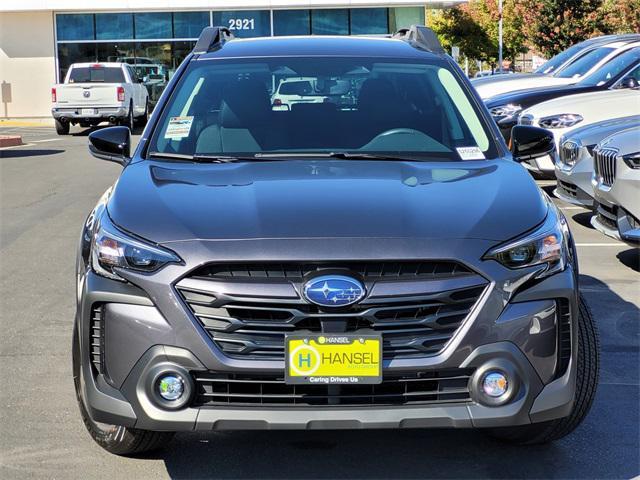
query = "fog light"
x=171 y=387
x=495 y=384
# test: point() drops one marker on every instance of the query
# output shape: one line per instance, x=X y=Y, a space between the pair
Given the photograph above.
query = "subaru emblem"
x=334 y=291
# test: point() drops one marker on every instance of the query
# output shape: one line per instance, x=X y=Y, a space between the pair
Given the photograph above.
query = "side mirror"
x=628 y=82
x=528 y=143
x=112 y=144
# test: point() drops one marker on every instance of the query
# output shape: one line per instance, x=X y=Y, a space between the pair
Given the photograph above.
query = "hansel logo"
x=334 y=291
x=305 y=360
x=86 y=93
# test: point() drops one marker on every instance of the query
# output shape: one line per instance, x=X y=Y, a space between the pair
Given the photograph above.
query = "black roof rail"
x=421 y=37
x=212 y=38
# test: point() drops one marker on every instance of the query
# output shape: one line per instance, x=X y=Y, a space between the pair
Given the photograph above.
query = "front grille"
x=216 y=390
x=368 y=271
x=568 y=189
x=605 y=165
x=563 y=313
x=96 y=338
x=248 y=309
x=569 y=153
x=607 y=216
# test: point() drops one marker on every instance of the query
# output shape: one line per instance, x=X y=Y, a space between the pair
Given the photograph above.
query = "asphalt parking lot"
x=48 y=186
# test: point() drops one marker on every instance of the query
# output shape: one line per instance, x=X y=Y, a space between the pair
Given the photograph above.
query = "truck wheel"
x=586 y=383
x=141 y=121
x=128 y=121
x=62 y=128
x=116 y=439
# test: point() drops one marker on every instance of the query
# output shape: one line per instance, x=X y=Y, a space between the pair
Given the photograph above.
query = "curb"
x=10 y=140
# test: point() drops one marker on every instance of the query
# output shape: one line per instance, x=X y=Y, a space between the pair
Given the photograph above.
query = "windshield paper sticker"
x=470 y=153
x=178 y=127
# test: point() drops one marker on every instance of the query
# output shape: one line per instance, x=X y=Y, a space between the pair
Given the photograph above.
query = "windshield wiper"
x=200 y=157
x=340 y=155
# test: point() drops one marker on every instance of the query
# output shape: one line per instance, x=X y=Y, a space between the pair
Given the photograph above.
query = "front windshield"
x=612 y=69
x=556 y=61
x=285 y=105
x=585 y=63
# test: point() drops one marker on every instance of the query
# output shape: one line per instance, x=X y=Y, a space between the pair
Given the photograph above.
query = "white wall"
x=27 y=64
x=98 y=5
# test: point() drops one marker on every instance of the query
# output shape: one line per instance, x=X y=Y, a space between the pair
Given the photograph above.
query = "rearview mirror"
x=528 y=142
x=112 y=144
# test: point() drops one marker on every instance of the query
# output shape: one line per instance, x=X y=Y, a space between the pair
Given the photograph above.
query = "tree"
x=554 y=25
x=619 y=16
x=474 y=28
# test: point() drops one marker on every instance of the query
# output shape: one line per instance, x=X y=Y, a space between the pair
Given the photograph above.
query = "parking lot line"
x=572 y=208
x=46 y=140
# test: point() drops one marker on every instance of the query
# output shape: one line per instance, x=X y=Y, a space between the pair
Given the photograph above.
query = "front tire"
x=116 y=439
x=586 y=383
x=62 y=128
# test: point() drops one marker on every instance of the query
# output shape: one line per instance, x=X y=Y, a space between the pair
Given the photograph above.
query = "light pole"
x=500 y=36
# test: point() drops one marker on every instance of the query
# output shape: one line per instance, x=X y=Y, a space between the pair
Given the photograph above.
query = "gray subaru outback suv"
x=369 y=255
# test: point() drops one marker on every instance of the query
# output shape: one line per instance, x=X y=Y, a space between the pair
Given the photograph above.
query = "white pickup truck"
x=99 y=92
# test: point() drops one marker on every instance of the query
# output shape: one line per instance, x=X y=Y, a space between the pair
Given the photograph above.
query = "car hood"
x=594 y=105
x=488 y=90
x=528 y=97
x=165 y=202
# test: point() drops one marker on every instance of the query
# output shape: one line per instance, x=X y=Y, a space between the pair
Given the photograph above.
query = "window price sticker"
x=470 y=153
x=179 y=127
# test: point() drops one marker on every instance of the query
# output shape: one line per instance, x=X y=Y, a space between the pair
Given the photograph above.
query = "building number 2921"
x=242 y=24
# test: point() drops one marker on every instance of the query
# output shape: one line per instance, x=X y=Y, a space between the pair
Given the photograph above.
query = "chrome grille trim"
x=605 y=165
x=569 y=153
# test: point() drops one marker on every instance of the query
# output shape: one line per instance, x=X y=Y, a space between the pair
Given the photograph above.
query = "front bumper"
x=574 y=183
x=150 y=329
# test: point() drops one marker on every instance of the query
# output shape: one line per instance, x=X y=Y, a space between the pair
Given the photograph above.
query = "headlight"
x=632 y=159
x=505 y=110
x=112 y=248
x=547 y=247
x=564 y=120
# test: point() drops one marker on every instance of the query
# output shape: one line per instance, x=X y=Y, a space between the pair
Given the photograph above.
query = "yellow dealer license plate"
x=333 y=359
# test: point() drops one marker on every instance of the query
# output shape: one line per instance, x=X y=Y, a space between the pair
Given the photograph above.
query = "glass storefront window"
x=330 y=22
x=69 y=53
x=291 y=22
x=116 y=52
x=245 y=23
x=153 y=25
x=75 y=26
x=189 y=24
x=368 y=21
x=112 y=26
x=404 y=17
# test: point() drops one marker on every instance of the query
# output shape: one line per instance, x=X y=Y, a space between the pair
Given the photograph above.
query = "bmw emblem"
x=86 y=93
x=334 y=291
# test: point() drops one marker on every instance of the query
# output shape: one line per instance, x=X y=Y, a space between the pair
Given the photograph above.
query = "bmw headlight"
x=632 y=159
x=111 y=249
x=564 y=120
x=507 y=110
x=547 y=246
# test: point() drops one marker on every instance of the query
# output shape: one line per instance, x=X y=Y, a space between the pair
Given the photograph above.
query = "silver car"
x=574 y=164
x=616 y=184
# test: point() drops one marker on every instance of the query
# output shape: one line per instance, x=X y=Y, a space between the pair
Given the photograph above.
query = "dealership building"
x=39 y=39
